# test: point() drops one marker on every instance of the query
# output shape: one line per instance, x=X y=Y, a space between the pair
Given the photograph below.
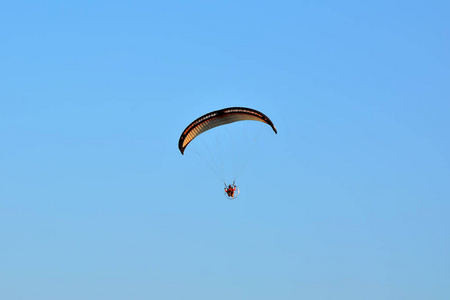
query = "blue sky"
x=349 y=200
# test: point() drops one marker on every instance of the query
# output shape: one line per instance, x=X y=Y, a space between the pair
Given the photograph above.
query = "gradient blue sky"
x=349 y=201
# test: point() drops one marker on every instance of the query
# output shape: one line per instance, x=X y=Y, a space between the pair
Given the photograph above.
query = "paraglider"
x=231 y=191
x=219 y=118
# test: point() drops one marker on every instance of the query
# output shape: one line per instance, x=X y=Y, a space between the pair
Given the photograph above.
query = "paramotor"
x=219 y=118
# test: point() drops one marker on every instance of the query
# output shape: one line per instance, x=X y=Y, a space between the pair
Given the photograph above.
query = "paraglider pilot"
x=230 y=190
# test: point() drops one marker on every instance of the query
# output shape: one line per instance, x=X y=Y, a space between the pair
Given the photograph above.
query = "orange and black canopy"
x=218 y=118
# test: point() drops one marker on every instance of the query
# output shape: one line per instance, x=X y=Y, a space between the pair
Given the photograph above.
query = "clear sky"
x=349 y=201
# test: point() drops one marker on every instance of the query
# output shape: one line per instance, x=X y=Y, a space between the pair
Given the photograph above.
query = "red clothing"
x=230 y=191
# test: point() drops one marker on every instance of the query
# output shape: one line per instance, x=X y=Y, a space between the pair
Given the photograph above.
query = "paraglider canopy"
x=218 y=118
